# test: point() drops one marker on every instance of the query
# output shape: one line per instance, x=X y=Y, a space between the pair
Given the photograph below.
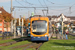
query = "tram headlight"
x=46 y=35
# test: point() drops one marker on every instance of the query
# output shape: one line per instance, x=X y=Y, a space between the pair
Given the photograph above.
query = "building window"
x=5 y=29
x=4 y=25
x=0 y=28
x=0 y=24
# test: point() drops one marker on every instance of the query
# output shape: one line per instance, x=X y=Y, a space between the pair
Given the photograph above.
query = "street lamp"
x=62 y=24
x=15 y=21
x=22 y=27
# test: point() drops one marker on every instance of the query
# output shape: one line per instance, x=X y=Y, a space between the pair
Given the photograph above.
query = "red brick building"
x=1 y=25
x=4 y=26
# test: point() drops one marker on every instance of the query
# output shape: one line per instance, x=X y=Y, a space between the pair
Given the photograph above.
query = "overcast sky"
x=56 y=7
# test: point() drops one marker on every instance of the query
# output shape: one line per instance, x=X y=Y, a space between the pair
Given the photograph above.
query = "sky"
x=55 y=7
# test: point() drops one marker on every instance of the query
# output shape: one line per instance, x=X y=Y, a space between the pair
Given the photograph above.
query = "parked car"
x=0 y=32
x=7 y=34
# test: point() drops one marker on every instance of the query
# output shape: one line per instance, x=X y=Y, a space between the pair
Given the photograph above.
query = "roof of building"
x=4 y=13
x=71 y=17
x=2 y=9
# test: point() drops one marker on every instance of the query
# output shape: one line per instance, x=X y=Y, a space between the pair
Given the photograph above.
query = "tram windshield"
x=39 y=26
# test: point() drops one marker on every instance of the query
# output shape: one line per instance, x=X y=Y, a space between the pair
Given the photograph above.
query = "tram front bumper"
x=39 y=38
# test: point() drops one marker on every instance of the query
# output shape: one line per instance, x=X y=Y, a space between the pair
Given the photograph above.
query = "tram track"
x=37 y=48
x=13 y=42
x=34 y=45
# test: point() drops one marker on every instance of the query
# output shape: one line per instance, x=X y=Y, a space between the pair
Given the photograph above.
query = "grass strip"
x=58 y=45
x=11 y=47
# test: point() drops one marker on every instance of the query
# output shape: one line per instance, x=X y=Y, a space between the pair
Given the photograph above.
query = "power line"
x=20 y=4
x=50 y=2
x=62 y=6
x=28 y=2
x=40 y=3
x=44 y=9
x=28 y=7
x=45 y=3
x=70 y=8
x=57 y=3
x=59 y=10
x=53 y=2
x=46 y=6
x=32 y=6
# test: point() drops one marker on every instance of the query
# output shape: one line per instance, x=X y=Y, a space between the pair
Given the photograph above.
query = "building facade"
x=4 y=26
x=68 y=22
x=1 y=25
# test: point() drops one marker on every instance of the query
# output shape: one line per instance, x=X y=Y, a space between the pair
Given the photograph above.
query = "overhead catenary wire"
x=40 y=3
x=20 y=4
x=59 y=10
x=58 y=6
x=54 y=9
x=45 y=3
x=25 y=1
x=57 y=3
x=29 y=4
x=71 y=8
x=50 y=7
x=53 y=2
x=42 y=6
x=46 y=6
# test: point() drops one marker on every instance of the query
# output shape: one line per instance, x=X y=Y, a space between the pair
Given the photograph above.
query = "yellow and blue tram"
x=39 y=29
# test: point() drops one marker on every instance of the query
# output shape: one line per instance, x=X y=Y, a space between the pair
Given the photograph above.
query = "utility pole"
x=62 y=24
x=12 y=26
x=11 y=7
x=22 y=27
x=15 y=25
x=51 y=27
x=15 y=29
x=62 y=29
x=12 y=20
x=20 y=21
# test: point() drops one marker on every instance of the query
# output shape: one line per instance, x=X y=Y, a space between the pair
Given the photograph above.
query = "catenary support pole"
x=22 y=27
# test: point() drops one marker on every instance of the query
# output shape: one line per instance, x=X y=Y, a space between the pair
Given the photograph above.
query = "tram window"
x=40 y=26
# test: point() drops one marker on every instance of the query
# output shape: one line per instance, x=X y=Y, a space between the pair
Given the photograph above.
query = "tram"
x=40 y=29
